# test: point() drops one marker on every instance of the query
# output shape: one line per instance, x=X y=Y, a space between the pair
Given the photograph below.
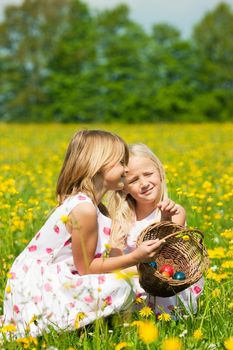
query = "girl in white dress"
x=62 y=278
x=144 y=200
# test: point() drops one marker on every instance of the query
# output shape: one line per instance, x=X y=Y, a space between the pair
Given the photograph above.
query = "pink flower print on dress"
x=79 y=282
x=108 y=300
x=37 y=299
x=38 y=235
x=97 y=255
x=101 y=279
x=67 y=242
x=16 y=309
x=32 y=248
x=25 y=268
x=197 y=289
x=107 y=231
x=81 y=197
x=71 y=305
x=38 y=261
x=56 y=229
x=48 y=287
x=49 y=250
x=88 y=298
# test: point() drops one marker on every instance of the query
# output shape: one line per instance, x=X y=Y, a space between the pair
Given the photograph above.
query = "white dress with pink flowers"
x=44 y=287
x=187 y=298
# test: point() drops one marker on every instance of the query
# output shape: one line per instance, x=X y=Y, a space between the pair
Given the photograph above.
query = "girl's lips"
x=147 y=191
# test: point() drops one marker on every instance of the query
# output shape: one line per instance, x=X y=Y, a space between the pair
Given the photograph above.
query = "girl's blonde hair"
x=122 y=206
x=88 y=153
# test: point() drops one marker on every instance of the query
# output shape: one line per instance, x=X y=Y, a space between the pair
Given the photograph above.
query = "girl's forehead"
x=139 y=165
x=136 y=161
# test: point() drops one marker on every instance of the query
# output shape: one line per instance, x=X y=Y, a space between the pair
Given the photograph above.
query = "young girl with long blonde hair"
x=144 y=200
x=63 y=277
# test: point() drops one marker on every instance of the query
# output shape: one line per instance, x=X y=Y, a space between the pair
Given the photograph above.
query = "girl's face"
x=114 y=176
x=143 y=181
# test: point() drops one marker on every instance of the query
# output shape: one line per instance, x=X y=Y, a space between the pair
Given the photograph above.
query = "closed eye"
x=131 y=181
x=148 y=174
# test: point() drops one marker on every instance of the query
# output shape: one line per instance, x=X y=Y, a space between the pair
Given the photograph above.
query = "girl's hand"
x=147 y=250
x=168 y=209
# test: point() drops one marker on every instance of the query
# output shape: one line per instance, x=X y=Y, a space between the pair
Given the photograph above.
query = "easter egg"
x=165 y=274
x=153 y=264
x=168 y=269
x=179 y=275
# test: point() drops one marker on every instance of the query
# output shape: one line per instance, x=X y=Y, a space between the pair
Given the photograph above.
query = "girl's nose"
x=126 y=169
x=143 y=183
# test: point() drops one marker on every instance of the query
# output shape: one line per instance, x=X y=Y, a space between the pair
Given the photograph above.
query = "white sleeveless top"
x=140 y=225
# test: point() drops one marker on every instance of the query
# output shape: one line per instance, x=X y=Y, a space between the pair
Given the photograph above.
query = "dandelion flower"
x=227 y=264
x=185 y=237
x=148 y=332
x=216 y=292
x=11 y=328
x=197 y=334
x=137 y=323
x=65 y=219
x=125 y=275
x=229 y=343
x=146 y=311
x=230 y=306
x=172 y=344
x=80 y=316
x=164 y=317
x=121 y=345
x=8 y=289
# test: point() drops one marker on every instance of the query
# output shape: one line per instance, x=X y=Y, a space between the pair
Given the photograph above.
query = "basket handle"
x=185 y=230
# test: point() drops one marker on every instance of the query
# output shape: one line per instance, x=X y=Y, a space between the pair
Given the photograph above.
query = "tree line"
x=61 y=62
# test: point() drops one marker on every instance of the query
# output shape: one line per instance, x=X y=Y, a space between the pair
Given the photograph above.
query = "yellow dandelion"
x=197 y=334
x=185 y=237
x=11 y=328
x=228 y=264
x=228 y=234
x=172 y=344
x=137 y=323
x=80 y=316
x=138 y=300
x=148 y=332
x=121 y=345
x=228 y=343
x=64 y=218
x=230 y=306
x=125 y=275
x=107 y=246
x=146 y=311
x=216 y=292
x=8 y=289
x=216 y=253
x=164 y=317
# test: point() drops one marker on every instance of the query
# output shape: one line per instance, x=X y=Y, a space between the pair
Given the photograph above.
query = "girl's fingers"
x=152 y=241
x=157 y=244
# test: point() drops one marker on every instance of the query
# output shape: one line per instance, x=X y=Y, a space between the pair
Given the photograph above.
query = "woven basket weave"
x=183 y=249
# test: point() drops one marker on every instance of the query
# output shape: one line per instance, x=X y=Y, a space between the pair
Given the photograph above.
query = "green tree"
x=30 y=39
x=214 y=46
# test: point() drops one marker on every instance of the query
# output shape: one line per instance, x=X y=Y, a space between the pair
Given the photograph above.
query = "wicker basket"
x=183 y=249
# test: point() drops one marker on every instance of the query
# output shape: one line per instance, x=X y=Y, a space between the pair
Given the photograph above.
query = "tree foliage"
x=61 y=62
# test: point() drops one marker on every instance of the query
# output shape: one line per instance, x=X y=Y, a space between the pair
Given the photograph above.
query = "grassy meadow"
x=199 y=167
